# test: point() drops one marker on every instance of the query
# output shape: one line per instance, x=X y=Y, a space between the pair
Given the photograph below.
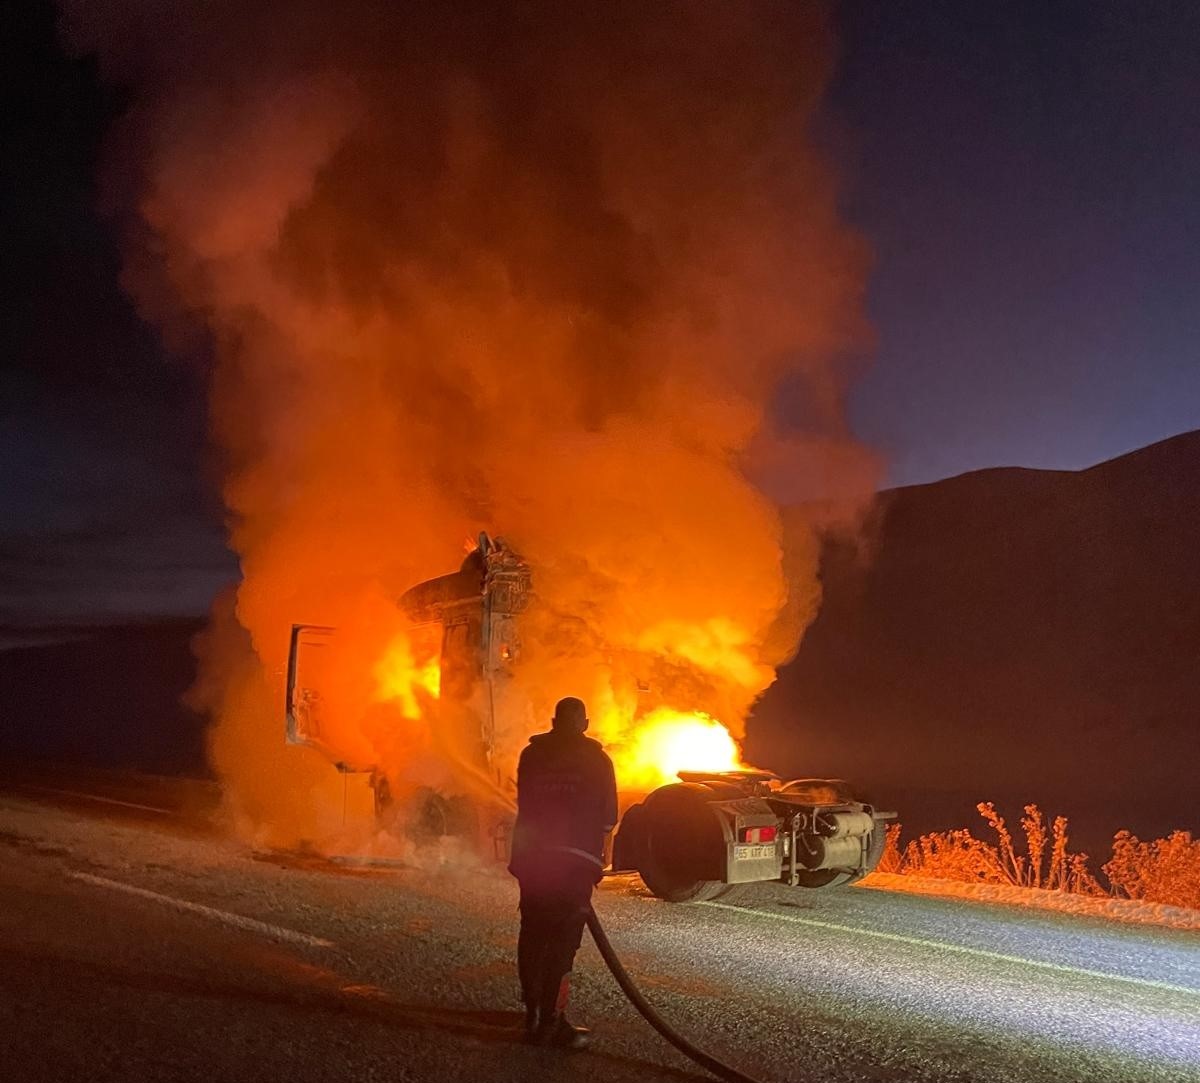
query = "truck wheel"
x=680 y=841
x=675 y=891
x=874 y=852
x=628 y=843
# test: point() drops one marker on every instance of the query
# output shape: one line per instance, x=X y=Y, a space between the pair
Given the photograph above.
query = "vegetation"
x=1164 y=871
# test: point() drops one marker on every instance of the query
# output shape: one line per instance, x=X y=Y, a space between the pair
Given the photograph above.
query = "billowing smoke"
x=536 y=268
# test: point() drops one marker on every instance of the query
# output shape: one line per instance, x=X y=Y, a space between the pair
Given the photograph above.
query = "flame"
x=401 y=679
x=667 y=741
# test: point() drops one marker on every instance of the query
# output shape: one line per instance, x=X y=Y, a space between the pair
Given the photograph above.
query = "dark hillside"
x=1011 y=634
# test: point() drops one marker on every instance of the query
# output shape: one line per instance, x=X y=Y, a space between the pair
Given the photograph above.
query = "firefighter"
x=566 y=805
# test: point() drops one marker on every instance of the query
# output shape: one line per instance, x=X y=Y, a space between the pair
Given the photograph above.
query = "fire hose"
x=647 y=1012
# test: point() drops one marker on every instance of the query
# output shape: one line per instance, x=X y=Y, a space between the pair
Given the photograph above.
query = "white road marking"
x=94 y=797
x=276 y=932
x=981 y=953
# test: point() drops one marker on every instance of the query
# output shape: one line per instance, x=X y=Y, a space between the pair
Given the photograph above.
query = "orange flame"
x=667 y=741
x=400 y=679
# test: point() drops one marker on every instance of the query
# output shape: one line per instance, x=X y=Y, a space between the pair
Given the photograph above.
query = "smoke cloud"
x=531 y=268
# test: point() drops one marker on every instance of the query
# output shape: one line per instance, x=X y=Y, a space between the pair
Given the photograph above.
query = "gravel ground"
x=406 y=974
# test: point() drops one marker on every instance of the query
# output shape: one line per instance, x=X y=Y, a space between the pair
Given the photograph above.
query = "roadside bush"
x=1056 y=870
x=1046 y=862
x=953 y=855
x=1163 y=871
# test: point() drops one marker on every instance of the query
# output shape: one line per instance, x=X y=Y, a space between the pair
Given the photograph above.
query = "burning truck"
x=689 y=840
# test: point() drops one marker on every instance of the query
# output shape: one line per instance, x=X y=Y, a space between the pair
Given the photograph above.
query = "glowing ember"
x=666 y=742
x=400 y=678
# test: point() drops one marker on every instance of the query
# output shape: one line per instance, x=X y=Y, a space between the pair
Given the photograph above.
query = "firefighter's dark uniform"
x=566 y=805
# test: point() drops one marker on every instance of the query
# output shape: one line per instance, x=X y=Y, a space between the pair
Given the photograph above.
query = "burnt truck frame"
x=699 y=838
x=690 y=841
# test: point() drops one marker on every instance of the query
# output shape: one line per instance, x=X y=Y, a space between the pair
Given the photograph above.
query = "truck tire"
x=680 y=841
x=874 y=852
x=675 y=891
x=628 y=844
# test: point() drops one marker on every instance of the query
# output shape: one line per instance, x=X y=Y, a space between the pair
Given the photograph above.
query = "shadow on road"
x=327 y=995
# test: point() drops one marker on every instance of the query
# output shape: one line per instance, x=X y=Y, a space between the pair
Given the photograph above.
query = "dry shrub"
x=958 y=855
x=1064 y=871
x=953 y=855
x=1163 y=871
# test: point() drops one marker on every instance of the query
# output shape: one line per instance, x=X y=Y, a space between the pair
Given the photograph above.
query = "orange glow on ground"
x=666 y=742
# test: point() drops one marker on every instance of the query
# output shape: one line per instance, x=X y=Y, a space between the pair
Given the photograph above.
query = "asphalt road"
x=135 y=944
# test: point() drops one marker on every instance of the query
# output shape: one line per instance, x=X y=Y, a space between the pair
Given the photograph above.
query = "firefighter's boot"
x=561 y=1033
x=531 y=965
x=554 y=1029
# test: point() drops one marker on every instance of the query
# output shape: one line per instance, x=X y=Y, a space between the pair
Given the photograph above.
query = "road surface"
x=135 y=943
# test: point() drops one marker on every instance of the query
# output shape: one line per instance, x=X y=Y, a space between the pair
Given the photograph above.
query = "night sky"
x=1025 y=173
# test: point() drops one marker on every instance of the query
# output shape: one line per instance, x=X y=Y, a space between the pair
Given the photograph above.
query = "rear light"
x=758 y=834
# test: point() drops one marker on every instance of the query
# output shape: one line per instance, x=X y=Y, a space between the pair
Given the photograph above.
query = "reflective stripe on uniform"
x=578 y=853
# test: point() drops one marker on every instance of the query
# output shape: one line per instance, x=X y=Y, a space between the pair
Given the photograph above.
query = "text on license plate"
x=755 y=852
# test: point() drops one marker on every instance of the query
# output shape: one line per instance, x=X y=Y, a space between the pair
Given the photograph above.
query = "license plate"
x=755 y=852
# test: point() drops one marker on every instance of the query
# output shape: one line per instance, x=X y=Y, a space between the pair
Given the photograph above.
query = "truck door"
x=308 y=660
